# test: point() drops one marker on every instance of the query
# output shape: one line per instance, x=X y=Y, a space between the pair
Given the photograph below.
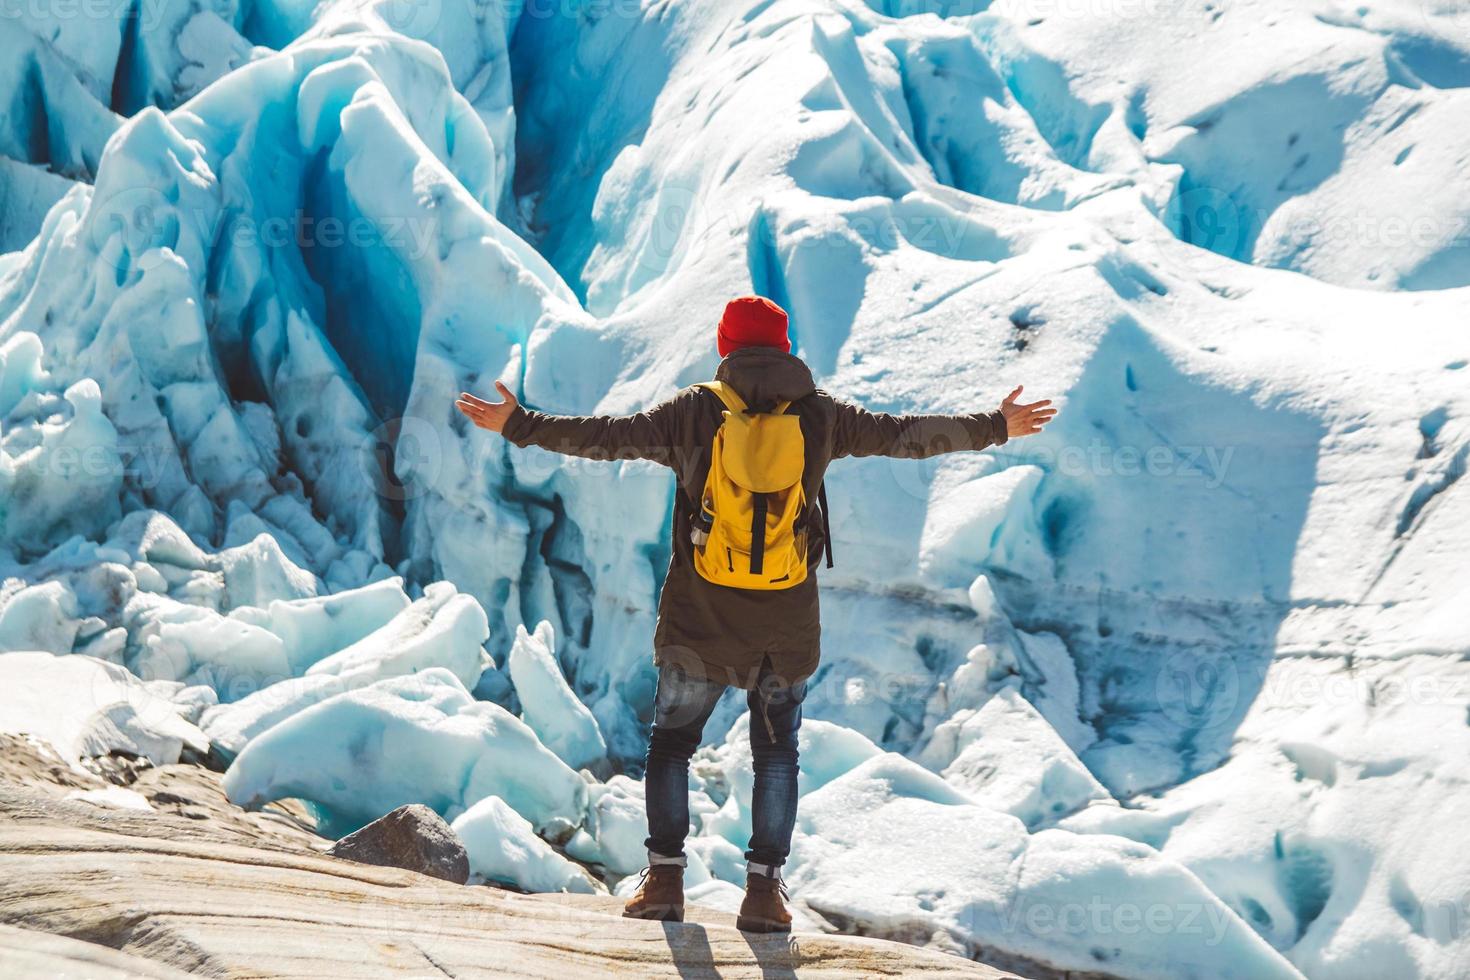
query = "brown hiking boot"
x=659 y=896
x=763 y=909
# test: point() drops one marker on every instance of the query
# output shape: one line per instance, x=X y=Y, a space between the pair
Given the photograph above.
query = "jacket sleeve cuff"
x=999 y=432
x=518 y=427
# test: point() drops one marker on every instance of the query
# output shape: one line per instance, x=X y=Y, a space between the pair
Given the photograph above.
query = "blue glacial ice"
x=1199 y=650
x=503 y=847
x=418 y=738
x=562 y=722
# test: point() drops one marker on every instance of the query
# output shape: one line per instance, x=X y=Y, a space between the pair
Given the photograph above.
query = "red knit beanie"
x=752 y=321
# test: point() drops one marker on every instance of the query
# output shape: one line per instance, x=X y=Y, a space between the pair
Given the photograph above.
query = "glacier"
x=1195 y=653
x=503 y=847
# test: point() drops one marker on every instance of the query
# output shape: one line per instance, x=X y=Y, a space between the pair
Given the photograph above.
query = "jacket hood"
x=765 y=374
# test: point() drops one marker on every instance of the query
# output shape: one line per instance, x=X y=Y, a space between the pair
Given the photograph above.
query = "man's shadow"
x=689 y=948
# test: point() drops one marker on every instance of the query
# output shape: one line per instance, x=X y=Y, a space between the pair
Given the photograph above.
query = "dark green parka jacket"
x=713 y=630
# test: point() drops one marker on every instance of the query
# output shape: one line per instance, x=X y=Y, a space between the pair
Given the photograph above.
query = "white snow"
x=311 y=629
x=113 y=797
x=548 y=705
x=414 y=739
x=85 y=707
x=825 y=751
x=1199 y=646
x=1006 y=756
x=615 y=829
x=503 y=848
x=893 y=846
x=442 y=629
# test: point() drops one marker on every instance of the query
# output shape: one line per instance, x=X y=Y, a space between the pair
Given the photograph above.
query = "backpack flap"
x=763 y=453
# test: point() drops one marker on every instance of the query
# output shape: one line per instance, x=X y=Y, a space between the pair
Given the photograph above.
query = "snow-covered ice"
x=562 y=722
x=1197 y=649
x=1007 y=756
x=113 y=797
x=414 y=739
x=503 y=848
x=442 y=629
x=1078 y=902
x=85 y=707
x=615 y=828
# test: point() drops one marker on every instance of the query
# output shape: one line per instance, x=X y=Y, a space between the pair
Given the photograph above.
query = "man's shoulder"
x=693 y=394
x=824 y=401
x=693 y=403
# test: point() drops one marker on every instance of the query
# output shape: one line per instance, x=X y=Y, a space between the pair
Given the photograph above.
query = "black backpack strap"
x=826 y=523
x=758 y=534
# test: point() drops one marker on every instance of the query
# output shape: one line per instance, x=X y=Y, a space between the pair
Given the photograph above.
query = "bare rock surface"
x=221 y=899
x=181 y=789
x=26 y=954
x=412 y=837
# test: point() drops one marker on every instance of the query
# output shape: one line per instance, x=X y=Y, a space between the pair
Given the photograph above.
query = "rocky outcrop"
x=412 y=837
x=196 y=884
x=26 y=953
x=206 y=897
x=180 y=789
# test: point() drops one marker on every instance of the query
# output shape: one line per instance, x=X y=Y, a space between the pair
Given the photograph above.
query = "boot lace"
x=780 y=884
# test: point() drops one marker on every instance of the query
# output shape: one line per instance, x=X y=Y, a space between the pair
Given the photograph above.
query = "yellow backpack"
x=750 y=529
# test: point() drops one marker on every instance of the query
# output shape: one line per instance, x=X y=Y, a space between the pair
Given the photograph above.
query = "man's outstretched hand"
x=1025 y=420
x=491 y=415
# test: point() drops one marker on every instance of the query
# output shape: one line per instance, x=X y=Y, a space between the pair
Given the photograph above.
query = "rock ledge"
x=205 y=898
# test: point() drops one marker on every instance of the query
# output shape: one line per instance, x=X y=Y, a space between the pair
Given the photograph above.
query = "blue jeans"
x=683 y=704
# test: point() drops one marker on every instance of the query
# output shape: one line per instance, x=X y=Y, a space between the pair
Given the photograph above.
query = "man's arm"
x=859 y=432
x=647 y=435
